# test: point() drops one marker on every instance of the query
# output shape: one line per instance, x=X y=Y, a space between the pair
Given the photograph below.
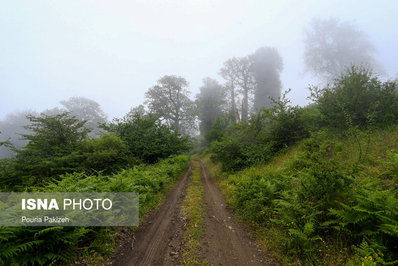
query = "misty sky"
x=112 y=51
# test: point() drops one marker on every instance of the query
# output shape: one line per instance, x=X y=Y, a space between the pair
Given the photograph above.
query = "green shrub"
x=357 y=98
x=43 y=246
x=107 y=153
x=55 y=245
x=148 y=139
x=265 y=134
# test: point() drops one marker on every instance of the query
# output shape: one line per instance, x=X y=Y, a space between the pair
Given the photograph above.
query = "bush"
x=56 y=245
x=372 y=215
x=107 y=153
x=270 y=131
x=357 y=98
x=148 y=139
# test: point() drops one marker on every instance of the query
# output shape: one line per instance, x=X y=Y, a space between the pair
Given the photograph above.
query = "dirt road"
x=159 y=240
x=225 y=242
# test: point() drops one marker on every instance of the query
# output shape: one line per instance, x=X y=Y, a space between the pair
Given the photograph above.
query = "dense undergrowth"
x=318 y=182
x=55 y=245
x=320 y=203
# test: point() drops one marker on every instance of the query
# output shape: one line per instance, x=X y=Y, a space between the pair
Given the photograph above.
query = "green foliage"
x=284 y=123
x=148 y=139
x=327 y=193
x=255 y=195
x=317 y=199
x=43 y=246
x=357 y=98
x=270 y=131
x=49 y=151
x=55 y=245
x=373 y=214
x=52 y=136
x=218 y=129
x=234 y=150
x=369 y=254
x=107 y=153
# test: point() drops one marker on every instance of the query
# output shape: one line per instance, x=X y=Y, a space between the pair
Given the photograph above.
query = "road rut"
x=226 y=241
x=159 y=241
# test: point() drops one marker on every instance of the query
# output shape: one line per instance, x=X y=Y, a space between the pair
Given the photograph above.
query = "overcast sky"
x=112 y=51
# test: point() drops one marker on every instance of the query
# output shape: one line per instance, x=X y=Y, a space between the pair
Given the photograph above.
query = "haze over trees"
x=229 y=73
x=211 y=104
x=15 y=125
x=331 y=46
x=169 y=100
x=266 y=67
x=86 y=110
x=252 y=81
x=12 y=127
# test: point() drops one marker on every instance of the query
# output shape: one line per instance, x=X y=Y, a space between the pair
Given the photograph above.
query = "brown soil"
x=159 y=241
x=226 y=242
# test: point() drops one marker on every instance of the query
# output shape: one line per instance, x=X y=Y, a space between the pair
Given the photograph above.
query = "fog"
x=113 y=51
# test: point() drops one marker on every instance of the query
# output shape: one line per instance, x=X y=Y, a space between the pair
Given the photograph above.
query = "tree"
x=332 y=46
x=12 y=128
x=86 y=110
x=138 y=110
x=169 y=100
x=53 y=135
x=50 y=148
x=210 y=102
x=246 y=82
x=229 y=73
x=58 y=144
x=148 y=139
x=218 y=129
x=266 y=67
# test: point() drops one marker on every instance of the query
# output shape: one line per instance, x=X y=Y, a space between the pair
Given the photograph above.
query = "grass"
x=193 y=211
x=374 y=148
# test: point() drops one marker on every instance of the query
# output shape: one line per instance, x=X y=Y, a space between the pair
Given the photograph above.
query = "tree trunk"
x=245 y=104
x=234 y=111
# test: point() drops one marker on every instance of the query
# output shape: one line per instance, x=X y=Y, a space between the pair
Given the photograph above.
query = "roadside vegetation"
x=61 y=157
x=318 y=184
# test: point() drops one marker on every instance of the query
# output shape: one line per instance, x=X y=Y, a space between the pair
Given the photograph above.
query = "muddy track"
x=226 y=241
x=159 y=240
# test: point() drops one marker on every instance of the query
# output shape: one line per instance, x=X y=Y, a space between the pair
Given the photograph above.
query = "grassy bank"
x=327 y=200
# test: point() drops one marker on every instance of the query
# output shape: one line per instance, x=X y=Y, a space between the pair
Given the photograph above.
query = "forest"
x=315 y=184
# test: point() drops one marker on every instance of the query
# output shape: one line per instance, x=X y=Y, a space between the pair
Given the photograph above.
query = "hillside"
x=326 y=200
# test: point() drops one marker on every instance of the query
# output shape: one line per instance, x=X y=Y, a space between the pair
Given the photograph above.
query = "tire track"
x=158 y=240
x=226 y=242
